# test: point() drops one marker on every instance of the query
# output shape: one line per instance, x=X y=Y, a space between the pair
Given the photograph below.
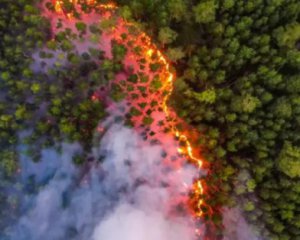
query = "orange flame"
x=58 y=5
x=198 y=189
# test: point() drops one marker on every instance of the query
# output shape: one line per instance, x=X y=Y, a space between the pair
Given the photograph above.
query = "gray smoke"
x=118 y=195
x=235 y=219
x=236 y=226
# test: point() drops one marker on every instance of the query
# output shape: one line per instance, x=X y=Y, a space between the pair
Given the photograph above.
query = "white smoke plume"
x=235 y=222
x=236 y=226
x=127 y=196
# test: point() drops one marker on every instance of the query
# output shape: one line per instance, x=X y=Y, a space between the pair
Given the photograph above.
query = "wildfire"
x=59 y=5
x=198 y=189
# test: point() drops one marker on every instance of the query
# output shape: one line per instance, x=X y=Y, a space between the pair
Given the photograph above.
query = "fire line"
x=198 y=189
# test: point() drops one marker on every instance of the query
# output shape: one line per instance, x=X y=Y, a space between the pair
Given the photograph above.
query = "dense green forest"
x=50 y=100
x=238 y=83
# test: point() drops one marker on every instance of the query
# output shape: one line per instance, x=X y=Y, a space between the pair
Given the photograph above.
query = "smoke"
x=236 y=226
x=126 y=195
x=135 y=224
x=235 y=221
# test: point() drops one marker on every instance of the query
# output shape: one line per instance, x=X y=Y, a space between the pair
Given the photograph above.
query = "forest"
x=237 y=66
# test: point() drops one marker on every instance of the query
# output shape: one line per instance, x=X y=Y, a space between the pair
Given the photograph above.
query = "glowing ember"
x=59 y=5
x=197 y=187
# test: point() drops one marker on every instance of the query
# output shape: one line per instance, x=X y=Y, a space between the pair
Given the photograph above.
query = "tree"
x=205 y=11
x=35 y=88
x=8 y=161
x=126 y=13
x=293 y=84
x=166 y=35
x=119 y=52
x=288 y=35
x=207 y=96
x=246 y=103
x=282 y=108
x=81 y=27
x=288 y=160
x=177 y=9
x=107 y=24
x=175 y=54
x=148 y=120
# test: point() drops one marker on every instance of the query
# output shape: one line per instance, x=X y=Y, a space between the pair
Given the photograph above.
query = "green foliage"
x=156 y=84
x=249 y=206
x=64 y=94
x=107 y=24
x=135 y=112
x=288 y=160
x=126 y=13
x=78 y=159
x=8 y=161
x=81 y=26
x=178 y=9
x=283 y=108
x=147 y=120
x=35 y=88
x=166 y=35
x=119 y=52
x=207 y=96
x=175 y=54
x=288 y=35
x=205 y=11
x=245 y=103
x=117 y=94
